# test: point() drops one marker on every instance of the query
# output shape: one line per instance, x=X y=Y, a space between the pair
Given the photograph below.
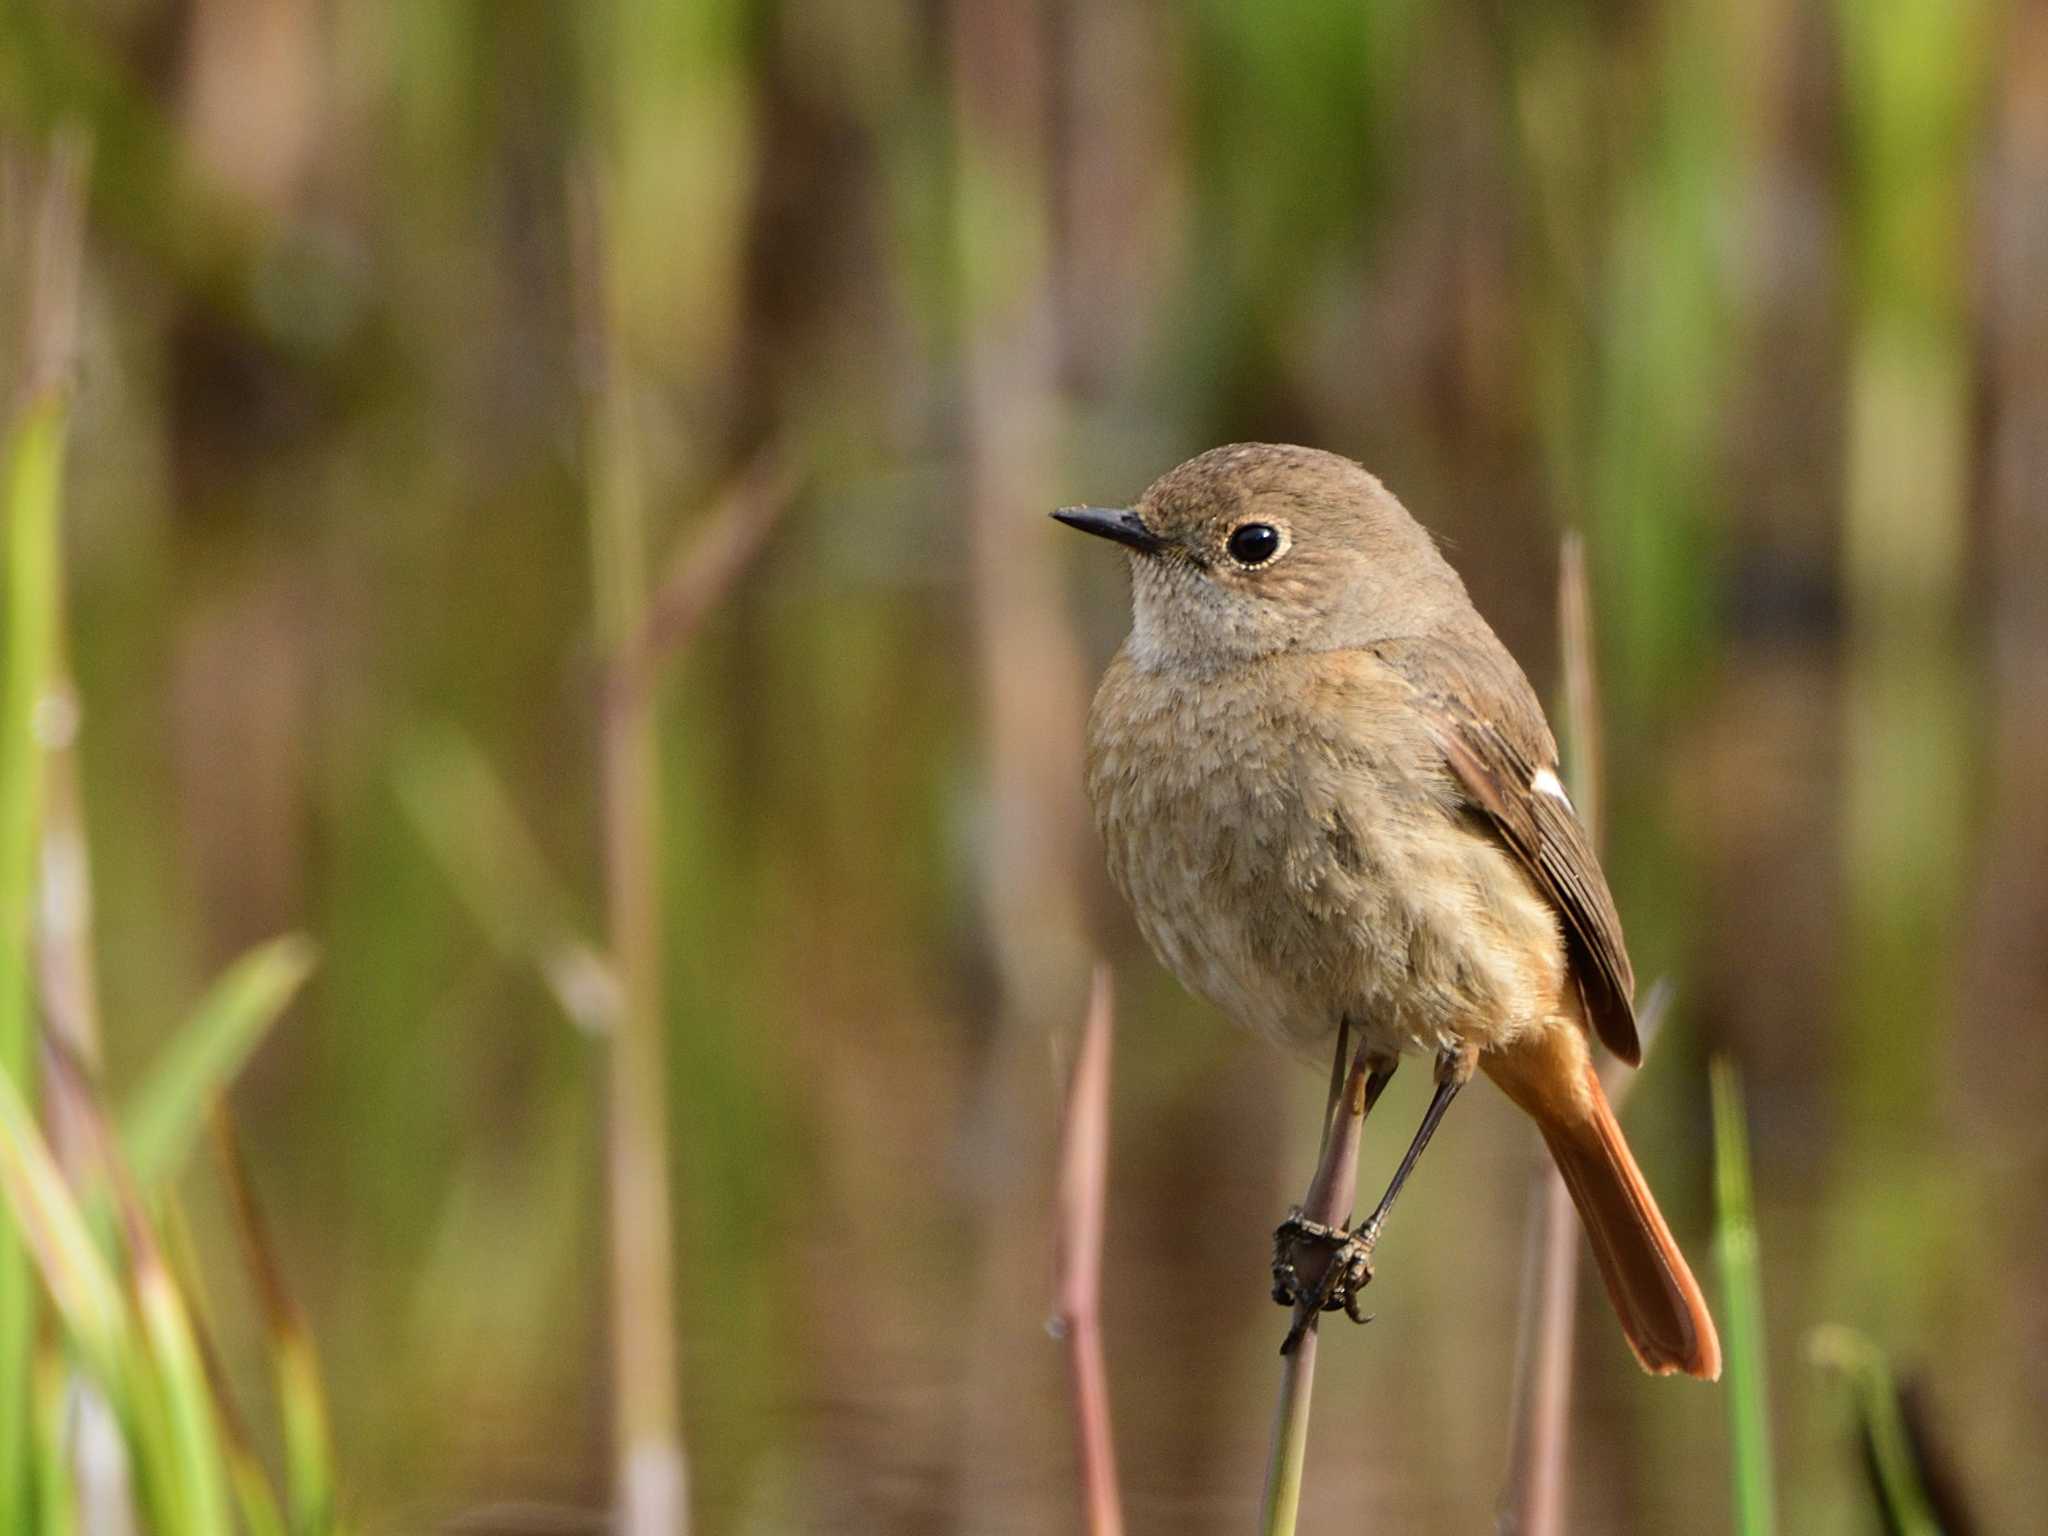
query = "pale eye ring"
x=1254 y=544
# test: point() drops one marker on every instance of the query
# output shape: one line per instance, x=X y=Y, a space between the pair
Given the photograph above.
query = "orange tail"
x=1652 y=1289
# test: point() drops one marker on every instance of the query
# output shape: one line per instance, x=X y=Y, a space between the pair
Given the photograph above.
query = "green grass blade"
x=308 y=1439
x=56 y=1494
x=165 y=1113
x=302 y=1398
x=254 y=1491
x=1749 y=1414
x=198 y=1467
x=260 y=1516
x=34 y=487
x=76 y=1273
x=465 y=814
x=1908 y=1509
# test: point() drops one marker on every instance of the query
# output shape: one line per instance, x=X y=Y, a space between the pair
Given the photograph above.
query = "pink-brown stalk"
x=1533 y=1502
x=1083 y=1207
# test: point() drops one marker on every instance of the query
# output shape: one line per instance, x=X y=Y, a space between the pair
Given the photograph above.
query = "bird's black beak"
x=1118 y=523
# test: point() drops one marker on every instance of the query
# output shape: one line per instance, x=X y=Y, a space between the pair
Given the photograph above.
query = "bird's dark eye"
x=1254 y=543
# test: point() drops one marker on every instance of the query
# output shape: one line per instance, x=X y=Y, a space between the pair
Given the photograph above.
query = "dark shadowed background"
x=407 y=328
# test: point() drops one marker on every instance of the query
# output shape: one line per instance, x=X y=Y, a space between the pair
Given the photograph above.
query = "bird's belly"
x=1419 y=929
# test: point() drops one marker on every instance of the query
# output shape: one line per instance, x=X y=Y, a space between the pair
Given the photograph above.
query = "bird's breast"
x=1291 y=847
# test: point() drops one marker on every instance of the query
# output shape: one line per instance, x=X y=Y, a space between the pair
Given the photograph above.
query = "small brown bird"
x=1331 y=799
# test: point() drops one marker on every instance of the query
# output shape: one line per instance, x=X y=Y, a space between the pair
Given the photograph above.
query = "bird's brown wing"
x=1484 y=718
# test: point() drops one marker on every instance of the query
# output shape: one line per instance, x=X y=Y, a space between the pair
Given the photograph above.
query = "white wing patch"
x=1546 y=782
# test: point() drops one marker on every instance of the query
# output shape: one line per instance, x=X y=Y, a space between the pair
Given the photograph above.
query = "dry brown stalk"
x=650 y=1468
x=639 y=633
x=1534 y=1498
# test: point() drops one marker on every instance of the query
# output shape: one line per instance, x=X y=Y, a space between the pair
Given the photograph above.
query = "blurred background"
x=413 y=338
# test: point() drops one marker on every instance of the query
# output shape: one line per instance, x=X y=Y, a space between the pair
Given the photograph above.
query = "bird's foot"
x=1320 y=1268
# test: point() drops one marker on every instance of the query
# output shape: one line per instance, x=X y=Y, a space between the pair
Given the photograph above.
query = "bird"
x=1332 y=801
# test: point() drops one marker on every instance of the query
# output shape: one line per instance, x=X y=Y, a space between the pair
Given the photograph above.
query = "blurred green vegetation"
x=412 y=335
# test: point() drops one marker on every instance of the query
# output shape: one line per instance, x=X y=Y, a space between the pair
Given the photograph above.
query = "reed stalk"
x=1537 y=1492
x=651 y=1472
x=1328 y=1201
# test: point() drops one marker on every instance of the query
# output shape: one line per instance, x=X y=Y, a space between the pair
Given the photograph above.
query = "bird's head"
x=1257 y=549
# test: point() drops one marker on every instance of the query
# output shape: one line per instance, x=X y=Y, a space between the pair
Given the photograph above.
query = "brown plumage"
x=1328 y=793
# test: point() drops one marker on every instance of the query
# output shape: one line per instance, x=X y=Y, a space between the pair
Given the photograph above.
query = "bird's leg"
x=1350 y=1267
x=1453 y=1071
x=1300 y=1231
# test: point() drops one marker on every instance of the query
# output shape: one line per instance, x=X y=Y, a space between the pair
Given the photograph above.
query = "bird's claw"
x=1346 y=1271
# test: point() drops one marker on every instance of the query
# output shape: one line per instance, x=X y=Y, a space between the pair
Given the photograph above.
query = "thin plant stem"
x=31 y=498
x=1083 y=1204
x=187 y=1468
x=302 y=1398
x=1749 y=1414
x=1340 y=1061
x=1328 y=1201
x=1534 y=1499
x=639 y=634
x=704 y=567
x=1003 y=422
x=262 y=1512
x=1585 y=744
x=650 y=1467
x=1894 y=1465
x=1536 y=1496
